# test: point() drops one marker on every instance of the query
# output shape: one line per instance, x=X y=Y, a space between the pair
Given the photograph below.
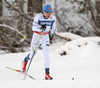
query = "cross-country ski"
x=19 y=71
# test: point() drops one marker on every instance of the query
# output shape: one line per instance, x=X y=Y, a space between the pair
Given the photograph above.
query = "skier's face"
x=47 y=15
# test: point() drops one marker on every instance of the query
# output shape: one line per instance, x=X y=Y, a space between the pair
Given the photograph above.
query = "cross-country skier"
x=43 y=22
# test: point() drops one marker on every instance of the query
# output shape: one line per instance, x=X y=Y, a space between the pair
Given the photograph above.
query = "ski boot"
x=25 y=63
x=47 y=76
x=24 y=66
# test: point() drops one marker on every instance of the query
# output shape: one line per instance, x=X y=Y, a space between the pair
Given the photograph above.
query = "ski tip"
x=6 y=66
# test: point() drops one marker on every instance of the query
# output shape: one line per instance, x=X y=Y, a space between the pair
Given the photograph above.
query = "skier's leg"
x=46 y=50
x=34 y=42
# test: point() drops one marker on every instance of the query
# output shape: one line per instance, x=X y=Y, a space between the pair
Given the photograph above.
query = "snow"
x=68 y=35
x=79 y=68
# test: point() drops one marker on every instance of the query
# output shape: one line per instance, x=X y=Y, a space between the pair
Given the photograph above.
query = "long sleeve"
x=53 y=26
x=35 y=26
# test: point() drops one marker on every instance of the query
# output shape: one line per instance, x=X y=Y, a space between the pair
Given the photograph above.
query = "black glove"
x=51 y=37
x=43 y=27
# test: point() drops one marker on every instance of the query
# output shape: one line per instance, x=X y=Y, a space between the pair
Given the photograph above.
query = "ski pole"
x=32 y=56
x=34 y=51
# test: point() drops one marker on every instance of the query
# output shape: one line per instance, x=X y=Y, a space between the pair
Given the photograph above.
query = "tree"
x=16 y=24
x=98 y=13
x=71 y=17
x=0 y=8
x=35 y=7
x=93 y=14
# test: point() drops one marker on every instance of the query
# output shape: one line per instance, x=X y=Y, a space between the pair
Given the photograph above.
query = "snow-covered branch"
x=11 y=28
x=67 y=36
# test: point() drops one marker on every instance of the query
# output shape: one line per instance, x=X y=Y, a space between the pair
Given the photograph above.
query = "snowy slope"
x=82 y=63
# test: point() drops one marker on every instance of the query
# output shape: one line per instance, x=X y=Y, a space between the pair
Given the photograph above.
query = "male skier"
x=43 y=22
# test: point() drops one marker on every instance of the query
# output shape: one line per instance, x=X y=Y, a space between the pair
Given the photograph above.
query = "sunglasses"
x=48 y=12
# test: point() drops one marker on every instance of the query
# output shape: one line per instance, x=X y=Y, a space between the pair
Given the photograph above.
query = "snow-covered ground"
x=79 y=68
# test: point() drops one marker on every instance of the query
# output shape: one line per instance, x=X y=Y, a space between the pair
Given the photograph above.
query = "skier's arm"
x=53 y=29
x=35 y=26
x=53 y=26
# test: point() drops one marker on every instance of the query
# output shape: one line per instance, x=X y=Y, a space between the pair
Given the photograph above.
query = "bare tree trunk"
x=35 y=6
x=0 y=8
x=98 y=12
x=94 y=18
x=21 y=19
